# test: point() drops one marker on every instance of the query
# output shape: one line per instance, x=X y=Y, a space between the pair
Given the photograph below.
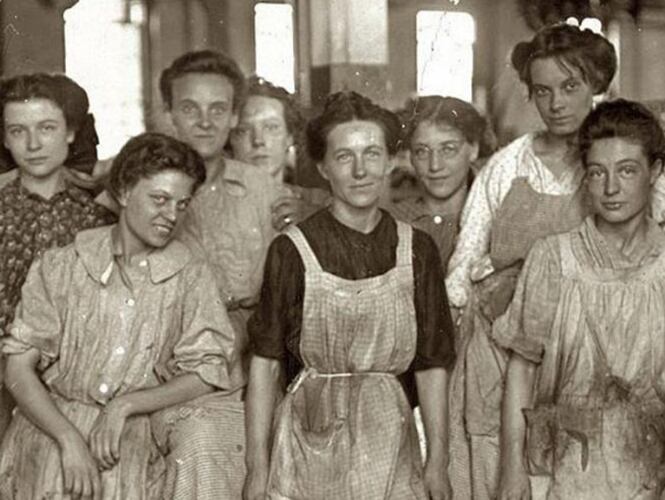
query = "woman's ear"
x=656 y=170
x=475 y=150
x=322 y=170
x=71 y=135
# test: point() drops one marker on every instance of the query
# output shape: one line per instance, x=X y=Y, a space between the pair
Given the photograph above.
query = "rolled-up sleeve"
x=526 y=326
x=207 y=344
x=38 y=321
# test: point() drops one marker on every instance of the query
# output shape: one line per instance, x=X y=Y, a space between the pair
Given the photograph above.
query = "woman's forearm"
x=518 y=393
x=262 y=392
x=179 y=389
x=432 y=387
x=33 y=399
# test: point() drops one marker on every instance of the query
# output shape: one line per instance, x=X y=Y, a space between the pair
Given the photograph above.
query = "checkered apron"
x=345 y=429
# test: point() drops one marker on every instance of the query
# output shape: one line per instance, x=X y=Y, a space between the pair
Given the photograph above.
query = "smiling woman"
x=111 y=329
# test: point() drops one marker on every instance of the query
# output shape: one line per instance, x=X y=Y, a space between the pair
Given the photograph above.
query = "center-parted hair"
x=203 y=62
x=623 y=119
x=447 y=111
x=591 y=54
x=343 y=107
x=149 y=154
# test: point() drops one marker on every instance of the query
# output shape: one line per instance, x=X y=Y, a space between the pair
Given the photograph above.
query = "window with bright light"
x=445 y=53
x=273 y=32
x=103 y=53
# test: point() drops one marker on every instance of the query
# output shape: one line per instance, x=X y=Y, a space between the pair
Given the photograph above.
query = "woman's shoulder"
x=510 y=156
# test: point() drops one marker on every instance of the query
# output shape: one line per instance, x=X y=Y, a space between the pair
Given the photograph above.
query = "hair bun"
x=521 y=55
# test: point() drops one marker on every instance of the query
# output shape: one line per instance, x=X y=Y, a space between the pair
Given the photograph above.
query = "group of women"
x=538 y=367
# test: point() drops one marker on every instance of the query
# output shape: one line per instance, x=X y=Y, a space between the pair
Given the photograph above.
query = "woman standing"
x=589 y=315
x=529 y=189
x=110 y=329
x=268 y=131
x=350 y=300
x=445 y=137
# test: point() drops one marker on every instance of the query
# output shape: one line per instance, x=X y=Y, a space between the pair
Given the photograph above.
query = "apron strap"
x=307 y=255
x=404 y=245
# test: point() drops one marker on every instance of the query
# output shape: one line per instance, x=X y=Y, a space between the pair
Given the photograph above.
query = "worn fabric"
x=204 y=441
x=350 y=436
x=105 y=329
x=595 y=324
x=489 y=189
x=275 y=331
x=523 y=216
x=443 y=228
x=30 y=224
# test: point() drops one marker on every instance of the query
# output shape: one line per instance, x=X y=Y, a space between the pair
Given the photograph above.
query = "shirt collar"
x=97 y=249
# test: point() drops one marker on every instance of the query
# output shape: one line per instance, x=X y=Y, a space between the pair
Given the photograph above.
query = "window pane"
x=273 y=31
x=103 y=53
x=445 y=53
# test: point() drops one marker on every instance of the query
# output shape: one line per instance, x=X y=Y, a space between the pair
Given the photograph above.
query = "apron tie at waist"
x=308 y=373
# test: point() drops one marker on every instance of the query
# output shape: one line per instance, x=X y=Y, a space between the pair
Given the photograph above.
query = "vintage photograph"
x=332 y=250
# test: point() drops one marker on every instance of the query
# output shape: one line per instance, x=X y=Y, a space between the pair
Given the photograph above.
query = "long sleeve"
x=487 y=192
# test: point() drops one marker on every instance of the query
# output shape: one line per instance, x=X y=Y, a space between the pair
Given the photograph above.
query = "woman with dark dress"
x=351 y=299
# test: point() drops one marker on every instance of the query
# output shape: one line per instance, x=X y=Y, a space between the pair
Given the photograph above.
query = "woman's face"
x=442 y=158
x=153 y=209
x=619 y=179
x=262 y=137
x=356 y=163
x=561 y=94
x=36 y=134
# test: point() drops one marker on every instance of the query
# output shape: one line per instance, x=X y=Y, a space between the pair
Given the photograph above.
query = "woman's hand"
x=255 y=485
x=514 y=484
x=287 y=209
x=105 y=435
x=437 y=482
x=80 y=474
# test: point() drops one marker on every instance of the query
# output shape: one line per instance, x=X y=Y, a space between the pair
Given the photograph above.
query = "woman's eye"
x=48 y=128
x=218 y=110
x=187 y=108
x=449 y=150
x=159 y=200
x=572 y=86
x=540 y=91
x=182 y=205
x=15 y=132
x=627 y=171
x=594 y=173
x=373 y=155
x=343 y=157
x=421 y=153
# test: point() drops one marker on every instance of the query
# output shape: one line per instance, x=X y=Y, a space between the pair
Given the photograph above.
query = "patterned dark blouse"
x=30 y=224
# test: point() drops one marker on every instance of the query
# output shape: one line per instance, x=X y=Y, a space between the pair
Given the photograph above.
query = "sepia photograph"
x=332 y=250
